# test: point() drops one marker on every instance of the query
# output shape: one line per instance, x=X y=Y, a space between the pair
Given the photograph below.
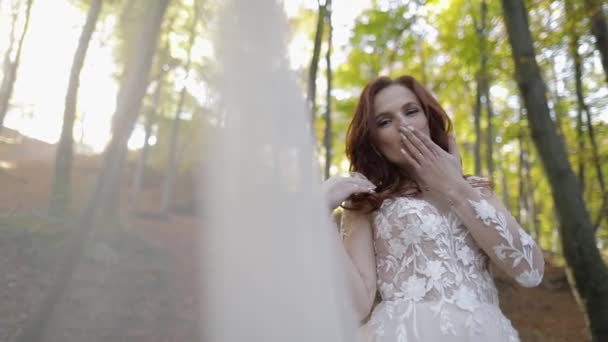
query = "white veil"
x=270 y=269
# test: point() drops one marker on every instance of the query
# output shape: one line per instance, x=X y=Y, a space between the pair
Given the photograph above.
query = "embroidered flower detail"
x=484 y=210
x=434 y=269
x=386 y=289
x=414 y=288
x=384 y=231
x=529 y=278
x=411 y=235
x=396 y=248
x=466 y=298
x=465 y=254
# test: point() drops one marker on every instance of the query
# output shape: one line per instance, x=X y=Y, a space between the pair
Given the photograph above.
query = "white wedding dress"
x=432 y=273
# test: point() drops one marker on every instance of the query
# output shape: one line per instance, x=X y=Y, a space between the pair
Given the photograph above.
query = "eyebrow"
x=405 y=106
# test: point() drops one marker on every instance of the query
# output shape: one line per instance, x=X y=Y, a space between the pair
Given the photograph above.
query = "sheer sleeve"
x=359 y=258
x=497 y=232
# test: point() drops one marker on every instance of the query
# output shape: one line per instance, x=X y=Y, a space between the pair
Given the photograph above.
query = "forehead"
x=392 y=98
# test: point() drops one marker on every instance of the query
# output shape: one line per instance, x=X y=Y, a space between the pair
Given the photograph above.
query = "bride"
x=418 y=234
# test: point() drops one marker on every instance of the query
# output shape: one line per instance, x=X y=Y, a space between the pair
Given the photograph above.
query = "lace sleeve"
x=497 y=232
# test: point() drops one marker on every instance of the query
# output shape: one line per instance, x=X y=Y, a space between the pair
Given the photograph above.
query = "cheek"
x=387 y=140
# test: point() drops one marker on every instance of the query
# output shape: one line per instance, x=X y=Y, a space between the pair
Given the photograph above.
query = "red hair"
x=390 y=180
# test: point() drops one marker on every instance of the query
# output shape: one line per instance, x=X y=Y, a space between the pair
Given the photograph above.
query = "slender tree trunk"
x=477 y=122
x=585 y=265
x=8 y=82
x=557 y=105
x=520 y=174
x=485 y=86
x=171 y=170
x=60 y=196
x=328 y=127
x=140 y=168
x=599 y=30
x=314 y=65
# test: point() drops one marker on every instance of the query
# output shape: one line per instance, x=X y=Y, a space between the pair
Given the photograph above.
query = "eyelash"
x=383 y=123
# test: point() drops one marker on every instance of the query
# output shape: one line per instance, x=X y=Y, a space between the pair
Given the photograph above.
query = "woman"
x=419 y=232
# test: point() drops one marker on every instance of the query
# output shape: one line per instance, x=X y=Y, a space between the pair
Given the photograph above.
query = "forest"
x=105 y=105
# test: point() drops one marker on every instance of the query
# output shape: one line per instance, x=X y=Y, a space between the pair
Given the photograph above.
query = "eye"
x=411 y=111
x=383 y=122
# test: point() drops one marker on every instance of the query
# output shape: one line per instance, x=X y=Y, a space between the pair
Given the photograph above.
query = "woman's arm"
x=357 y=251
x=497 y=232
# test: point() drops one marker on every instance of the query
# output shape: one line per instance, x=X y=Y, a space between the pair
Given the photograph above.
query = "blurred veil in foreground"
x=270 y=270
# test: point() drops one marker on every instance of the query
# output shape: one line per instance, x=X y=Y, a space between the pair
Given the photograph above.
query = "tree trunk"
x=60 y=196
x=171 y=170
x=8 y=82
x=127 y=108
x=477 y=121
x=328 y=128
x=599 y=30
x=585 y=265
x=485 y=86
x=314 y=65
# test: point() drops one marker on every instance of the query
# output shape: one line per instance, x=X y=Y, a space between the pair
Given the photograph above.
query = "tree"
x=599 y=30
x=172 y=156
x=129 y=100
x=11 y=67
x=314 y=63
x=60 y=196
x=586 y=269
x=328 y=128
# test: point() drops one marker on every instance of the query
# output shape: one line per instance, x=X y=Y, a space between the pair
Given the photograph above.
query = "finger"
x=364 y=183
x=409 y=149
x=423 y=151
x=357 y=188
x=409 y=159
x=453 y=147
x=430 y=144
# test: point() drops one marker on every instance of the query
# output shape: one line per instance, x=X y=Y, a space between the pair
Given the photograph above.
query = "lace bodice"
x=424 y=255
x=430 y=256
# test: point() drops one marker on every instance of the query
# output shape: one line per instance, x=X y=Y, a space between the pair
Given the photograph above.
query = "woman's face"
x=396 y=106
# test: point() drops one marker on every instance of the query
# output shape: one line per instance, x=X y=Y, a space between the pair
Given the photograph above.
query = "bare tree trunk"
x=585 y=265
x=171 y=170
x=60 y=196
x=557 y=103
x=477 y=121
x=132 y=93
x=599 y=30
x=8 y=82
x=140 y=168
x=328 y=128
x=314 y=65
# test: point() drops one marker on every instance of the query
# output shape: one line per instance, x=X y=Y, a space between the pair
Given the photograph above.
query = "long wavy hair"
x=365 y=158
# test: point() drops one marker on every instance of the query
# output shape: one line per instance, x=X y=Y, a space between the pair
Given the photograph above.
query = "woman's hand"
x=438 y=169
x=337 y=189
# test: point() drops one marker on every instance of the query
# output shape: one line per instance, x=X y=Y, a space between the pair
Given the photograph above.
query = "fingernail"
x=410 y=128
x=403 y=151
